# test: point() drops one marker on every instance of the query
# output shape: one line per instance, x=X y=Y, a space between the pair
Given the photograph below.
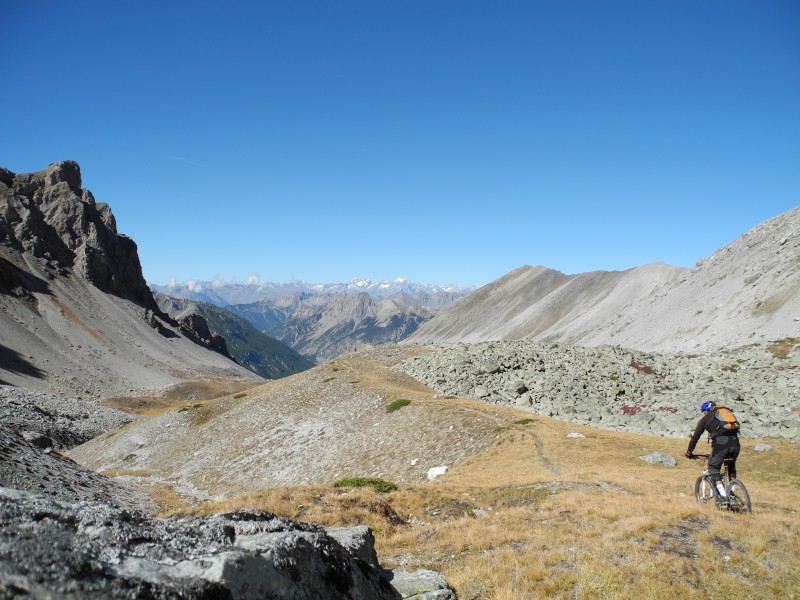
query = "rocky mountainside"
x=745 y=292
x=323 y=326
x=252 y=349
x=29 y=467
x=76 y=315
x=78 y=322
x=54 y=420
x=540 y=303
x=223 y=294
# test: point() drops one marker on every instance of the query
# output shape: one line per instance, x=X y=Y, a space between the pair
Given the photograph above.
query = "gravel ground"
x=68 y=422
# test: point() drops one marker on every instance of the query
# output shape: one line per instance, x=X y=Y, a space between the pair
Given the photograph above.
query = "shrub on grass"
x=781 y=348
x=397 y=405
x=523 y=421
x=379 y=485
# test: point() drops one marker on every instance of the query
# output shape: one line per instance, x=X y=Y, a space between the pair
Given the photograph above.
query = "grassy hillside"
x=540 y=515
x=533 y=513
x=251 y=348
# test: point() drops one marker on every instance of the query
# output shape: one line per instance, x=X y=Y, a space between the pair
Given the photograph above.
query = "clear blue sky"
x=440 y=141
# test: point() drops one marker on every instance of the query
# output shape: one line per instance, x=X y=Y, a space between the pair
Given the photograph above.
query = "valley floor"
x=535 y=512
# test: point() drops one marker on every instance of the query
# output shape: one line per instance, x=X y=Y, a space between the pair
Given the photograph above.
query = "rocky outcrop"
x=51 y=548
x=196 y=327
x=620 y=389
x=48 y=216
x=76 y=316
x=25 y=466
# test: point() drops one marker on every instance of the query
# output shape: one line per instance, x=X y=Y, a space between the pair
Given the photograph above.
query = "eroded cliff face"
x=48 y=221
x=76 y=315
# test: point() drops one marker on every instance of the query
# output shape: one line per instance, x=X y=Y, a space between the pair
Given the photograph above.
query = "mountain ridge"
x=227 y=293
x=747 y=291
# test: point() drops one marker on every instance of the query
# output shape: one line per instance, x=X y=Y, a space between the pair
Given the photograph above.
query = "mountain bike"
x=737 y=498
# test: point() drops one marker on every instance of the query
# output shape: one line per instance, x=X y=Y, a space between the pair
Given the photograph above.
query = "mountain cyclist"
x=724 y=444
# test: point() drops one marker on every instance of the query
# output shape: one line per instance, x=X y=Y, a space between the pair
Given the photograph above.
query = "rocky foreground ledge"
x=68 y=532
x=55 y=549
x=621 y=389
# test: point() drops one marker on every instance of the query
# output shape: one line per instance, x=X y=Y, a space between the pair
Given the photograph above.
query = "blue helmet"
x=707 y=406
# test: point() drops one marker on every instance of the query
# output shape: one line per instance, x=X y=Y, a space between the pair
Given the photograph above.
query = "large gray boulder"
x=55 y=549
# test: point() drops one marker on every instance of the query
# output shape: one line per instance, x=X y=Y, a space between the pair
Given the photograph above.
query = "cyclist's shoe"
x=722 y=502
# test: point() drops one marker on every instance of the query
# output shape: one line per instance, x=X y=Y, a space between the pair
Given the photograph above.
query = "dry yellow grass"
x=187 y=394
x=541 y=515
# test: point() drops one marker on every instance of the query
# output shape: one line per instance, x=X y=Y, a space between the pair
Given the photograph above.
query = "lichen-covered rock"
x=421 y=584
x=659 y=458
x=56 y=549
x=617 y=388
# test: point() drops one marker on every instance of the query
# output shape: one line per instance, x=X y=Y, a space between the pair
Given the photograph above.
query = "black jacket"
x=708 y=422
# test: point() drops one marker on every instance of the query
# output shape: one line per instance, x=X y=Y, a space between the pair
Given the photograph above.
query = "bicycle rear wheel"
x=704 y=489
x=738 y=498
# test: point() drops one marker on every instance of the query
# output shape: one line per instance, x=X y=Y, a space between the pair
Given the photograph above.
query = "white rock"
x=435 y=472
x=659 y=458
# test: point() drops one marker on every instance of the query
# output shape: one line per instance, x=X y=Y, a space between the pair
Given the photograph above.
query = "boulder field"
x=616 y=388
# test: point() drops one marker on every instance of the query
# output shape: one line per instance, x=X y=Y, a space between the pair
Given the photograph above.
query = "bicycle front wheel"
x=738 y=498
x=704 y=489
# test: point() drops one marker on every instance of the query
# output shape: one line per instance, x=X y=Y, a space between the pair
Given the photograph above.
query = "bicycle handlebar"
x=701 y=456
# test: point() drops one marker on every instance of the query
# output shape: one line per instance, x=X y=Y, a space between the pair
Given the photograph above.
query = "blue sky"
x=440 y=141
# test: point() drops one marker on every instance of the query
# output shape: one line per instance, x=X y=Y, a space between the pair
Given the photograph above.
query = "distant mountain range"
x=225 y=294
x=323 y=326
x=744 y=293
x=322 y=321
x=250 y=347
x=78 y=316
